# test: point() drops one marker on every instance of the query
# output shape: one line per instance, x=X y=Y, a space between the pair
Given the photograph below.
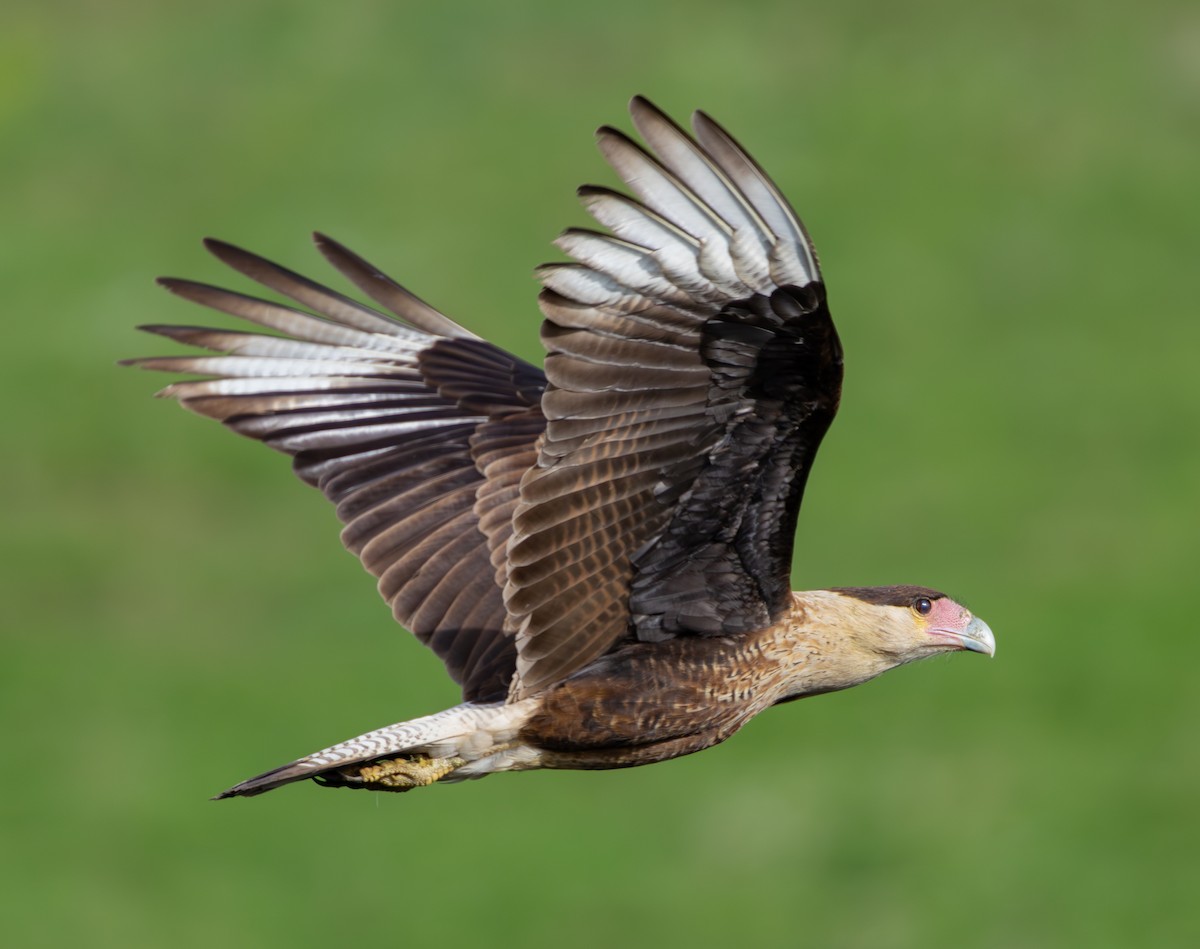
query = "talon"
x=403 y=774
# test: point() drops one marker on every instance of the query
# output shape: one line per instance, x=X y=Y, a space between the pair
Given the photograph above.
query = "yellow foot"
x=404 y=774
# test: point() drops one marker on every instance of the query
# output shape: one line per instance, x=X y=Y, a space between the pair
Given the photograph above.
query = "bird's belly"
x=648 y=703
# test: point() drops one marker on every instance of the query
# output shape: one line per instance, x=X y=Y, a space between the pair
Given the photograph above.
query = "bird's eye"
x=922 y=605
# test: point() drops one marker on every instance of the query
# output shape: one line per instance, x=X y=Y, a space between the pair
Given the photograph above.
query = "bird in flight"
x=599 y=551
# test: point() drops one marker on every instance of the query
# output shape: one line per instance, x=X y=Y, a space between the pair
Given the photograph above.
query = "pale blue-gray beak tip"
x=977 y=636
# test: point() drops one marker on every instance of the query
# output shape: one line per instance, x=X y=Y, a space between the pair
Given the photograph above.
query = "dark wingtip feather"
x=249 y=264
x=387 y=292
x=158 y=329
x=597 y=191
x=230 y=254
x=176 y=285
x=170 y=330
x=355 y=267
x=196 y=292
x=642 y=104
x=218 y=247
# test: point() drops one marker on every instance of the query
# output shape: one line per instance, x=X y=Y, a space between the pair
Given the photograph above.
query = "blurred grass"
x=1005 y=197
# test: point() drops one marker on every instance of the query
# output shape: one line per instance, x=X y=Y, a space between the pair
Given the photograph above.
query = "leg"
x=392 y=774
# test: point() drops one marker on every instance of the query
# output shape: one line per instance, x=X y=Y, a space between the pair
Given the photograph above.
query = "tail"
x=467 y=741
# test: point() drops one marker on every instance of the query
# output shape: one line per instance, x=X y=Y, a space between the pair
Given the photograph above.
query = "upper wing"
x=418 y=431
x=693 y=371
x=652 y=488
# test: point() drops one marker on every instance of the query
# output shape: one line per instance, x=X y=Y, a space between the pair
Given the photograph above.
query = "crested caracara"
x=600 y=550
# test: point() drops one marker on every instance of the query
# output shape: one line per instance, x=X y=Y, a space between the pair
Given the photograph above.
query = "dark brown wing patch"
x=722 y=565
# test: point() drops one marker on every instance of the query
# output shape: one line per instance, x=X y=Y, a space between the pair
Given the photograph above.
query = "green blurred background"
x=1005 y=196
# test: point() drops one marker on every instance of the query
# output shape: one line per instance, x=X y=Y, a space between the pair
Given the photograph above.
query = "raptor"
x=599 y=551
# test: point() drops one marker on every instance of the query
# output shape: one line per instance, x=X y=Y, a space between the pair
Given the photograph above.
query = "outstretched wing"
x=649 y=491
x=693 y=370
x=418 y=431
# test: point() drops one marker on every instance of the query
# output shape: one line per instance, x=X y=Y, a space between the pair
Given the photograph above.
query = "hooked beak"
x=977 y=636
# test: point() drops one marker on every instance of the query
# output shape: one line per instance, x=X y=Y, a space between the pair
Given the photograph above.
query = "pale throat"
x=814 y=649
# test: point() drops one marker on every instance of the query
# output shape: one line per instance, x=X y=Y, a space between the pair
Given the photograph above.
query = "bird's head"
x=905 y=623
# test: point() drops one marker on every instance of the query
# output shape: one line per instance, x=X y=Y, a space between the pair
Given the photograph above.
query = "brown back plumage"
x=645 y=487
